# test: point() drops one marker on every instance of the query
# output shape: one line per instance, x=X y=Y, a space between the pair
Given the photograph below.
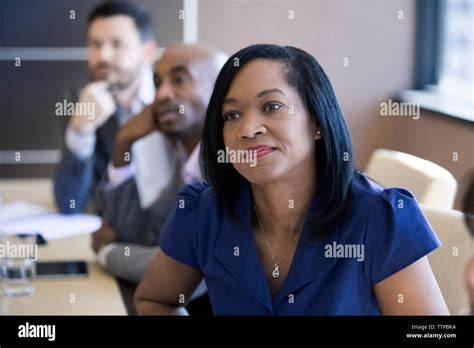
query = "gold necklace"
x=276 y=269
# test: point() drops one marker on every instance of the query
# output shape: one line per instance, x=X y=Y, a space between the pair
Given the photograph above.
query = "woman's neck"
x=282 y=205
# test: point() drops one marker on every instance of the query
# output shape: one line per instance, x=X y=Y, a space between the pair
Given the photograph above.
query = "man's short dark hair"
x=138 y=13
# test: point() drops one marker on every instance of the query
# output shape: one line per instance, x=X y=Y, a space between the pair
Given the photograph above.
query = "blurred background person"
x=184 y=77
x=128 y=239
x=121 y=51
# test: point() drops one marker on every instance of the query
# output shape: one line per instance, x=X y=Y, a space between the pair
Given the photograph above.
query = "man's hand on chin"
x=136 y=128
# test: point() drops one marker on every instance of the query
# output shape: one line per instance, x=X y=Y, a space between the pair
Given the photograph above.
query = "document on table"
x=25 y=217
x=21 y=209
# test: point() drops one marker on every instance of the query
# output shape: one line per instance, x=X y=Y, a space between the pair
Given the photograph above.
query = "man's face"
x=115 y=50
x=183 y=88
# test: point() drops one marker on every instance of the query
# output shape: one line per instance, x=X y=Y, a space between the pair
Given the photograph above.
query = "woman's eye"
x=270 y=107
x=231 y=115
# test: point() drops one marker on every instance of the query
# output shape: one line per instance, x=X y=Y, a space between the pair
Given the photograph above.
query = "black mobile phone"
x=61 y=269
x=40 y=240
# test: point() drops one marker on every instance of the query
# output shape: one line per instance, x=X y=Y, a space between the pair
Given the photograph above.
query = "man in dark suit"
x=121 y=52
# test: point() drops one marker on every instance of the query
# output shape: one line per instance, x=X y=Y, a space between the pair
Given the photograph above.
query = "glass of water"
x=19 y=264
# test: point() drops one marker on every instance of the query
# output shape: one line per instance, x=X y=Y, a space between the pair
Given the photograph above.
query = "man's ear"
x=150 y=49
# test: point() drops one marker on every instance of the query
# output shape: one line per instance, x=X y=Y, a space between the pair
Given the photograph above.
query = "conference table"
x=96 y=294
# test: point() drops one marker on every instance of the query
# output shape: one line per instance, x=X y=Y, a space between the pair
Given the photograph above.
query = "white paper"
x=30 y=218
x=54 y=225
x=21 y=209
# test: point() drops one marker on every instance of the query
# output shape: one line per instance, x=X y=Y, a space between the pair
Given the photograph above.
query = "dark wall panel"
x=43 y=23
x=28 y=94
x=47 y=23
x=28 y=97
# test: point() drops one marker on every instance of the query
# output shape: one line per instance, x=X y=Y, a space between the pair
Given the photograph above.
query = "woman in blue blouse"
x=288 y=226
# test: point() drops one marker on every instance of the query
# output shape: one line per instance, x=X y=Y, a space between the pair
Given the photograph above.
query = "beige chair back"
x=431 y=184
x=449 y=260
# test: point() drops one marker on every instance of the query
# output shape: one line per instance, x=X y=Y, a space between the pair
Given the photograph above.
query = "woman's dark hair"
x=140 y=16
x=334 y=150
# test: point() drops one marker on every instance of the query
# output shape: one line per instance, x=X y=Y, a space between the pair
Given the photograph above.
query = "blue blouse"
x=384 y=233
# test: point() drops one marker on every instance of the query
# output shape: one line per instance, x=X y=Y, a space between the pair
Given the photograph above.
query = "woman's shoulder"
x=396 y=232
x=389 y=210
x=195 y=193
x=368 y=190
x=186 y=229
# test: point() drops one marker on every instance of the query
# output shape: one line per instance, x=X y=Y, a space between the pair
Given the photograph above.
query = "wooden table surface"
x=97 y=294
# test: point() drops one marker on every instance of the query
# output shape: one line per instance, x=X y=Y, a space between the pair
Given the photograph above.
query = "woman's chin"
x=261 y=176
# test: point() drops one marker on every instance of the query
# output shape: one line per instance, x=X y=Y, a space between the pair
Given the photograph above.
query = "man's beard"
x=179 y=131
x=125 y=78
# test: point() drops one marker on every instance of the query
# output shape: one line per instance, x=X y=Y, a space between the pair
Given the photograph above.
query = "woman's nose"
x=250 y=126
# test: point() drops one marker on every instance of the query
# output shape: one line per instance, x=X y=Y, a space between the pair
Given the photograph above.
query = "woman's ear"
x=317 y=132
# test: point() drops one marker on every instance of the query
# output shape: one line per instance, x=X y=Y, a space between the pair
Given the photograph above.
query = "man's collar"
x=146 y=91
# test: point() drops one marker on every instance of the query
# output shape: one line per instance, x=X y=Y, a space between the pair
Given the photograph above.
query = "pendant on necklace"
x=276 y=272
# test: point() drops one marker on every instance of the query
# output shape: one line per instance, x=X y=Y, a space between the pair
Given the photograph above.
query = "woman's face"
x=266 y=117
